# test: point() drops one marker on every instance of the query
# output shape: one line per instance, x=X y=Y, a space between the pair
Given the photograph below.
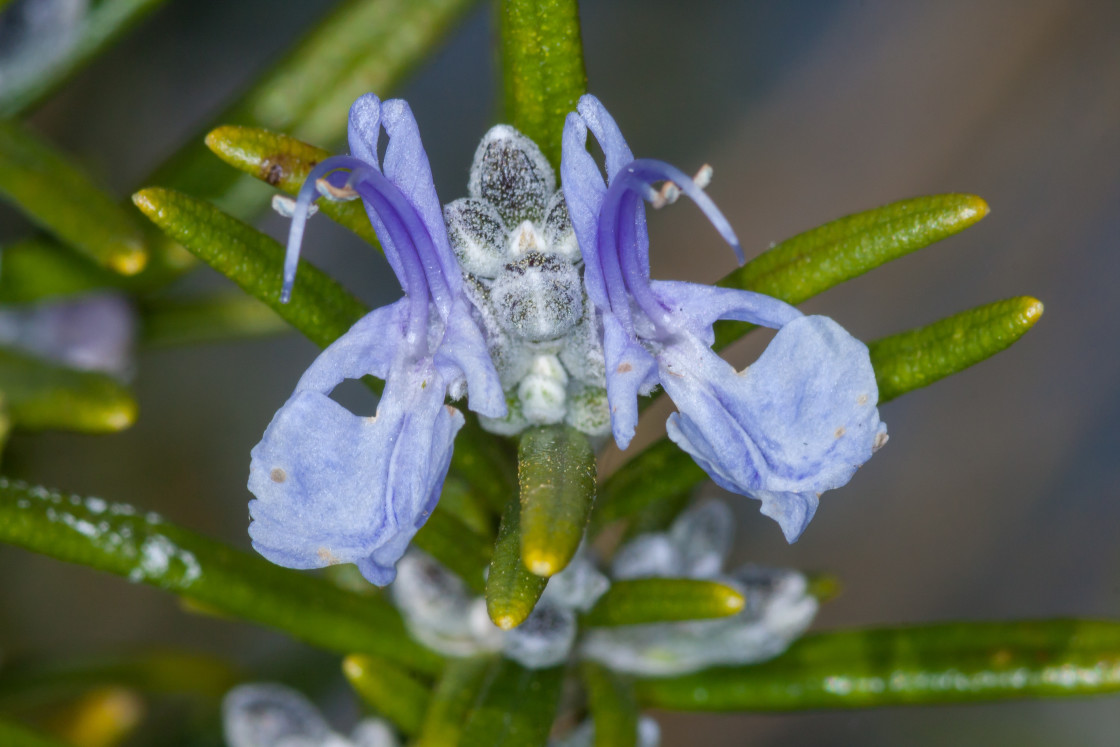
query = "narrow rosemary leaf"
x=511 y=590
x=461 y=502
x=902 y=362
x=947 y=663
x=613 y=707
x=228 y=316
x=456 y=546
x=105 y=22
x=39 y=395
x=919 y=357
x=484 y=461
x=14 y=735
x=50 y=190
x=143 y=547
x=556 y=479
x=39 y=268
x=5 y=423
x=360 y=46
x=542 y=68
x=284 y=162
x=814 y=261
x=451 y=700
x=392 y=692
x=650 y=600
x=516 y=707
x=320 y=308
x=31 y=683
x=657 y=473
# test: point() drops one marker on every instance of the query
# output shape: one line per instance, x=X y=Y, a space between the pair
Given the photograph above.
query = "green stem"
x=542 y=67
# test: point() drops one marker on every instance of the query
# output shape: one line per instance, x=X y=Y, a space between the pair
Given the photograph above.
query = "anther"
x=286 y=206
x=338 y=194
x=703 y=177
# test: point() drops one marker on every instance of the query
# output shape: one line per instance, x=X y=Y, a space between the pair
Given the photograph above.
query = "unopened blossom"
x=91 y=332
x=335 y=487
x=271 y=715
x=522 y=272
x=777 y=611
x=798 y=422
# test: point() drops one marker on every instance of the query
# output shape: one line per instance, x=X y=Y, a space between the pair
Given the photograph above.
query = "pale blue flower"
x=334 y=487
x=798 y=422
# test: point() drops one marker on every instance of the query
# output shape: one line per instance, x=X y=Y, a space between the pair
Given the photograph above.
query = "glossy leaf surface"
x=949 y=663
x=651 y=600
x=53 y=192
x=919 y=357
x=41 y=395
x=145 y=548
x=511 y=590
x=390 y=691
x=556 y=478
x=515 y=708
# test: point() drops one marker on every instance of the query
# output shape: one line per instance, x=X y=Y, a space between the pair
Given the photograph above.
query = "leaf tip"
x=146 y=199
x=217 y=140
x=974 y=209
x=354 y=667
x=541 y=563
x=129 y=260
x=1032 y=311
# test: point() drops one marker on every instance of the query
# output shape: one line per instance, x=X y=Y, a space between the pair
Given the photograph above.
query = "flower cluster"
x=537 y=305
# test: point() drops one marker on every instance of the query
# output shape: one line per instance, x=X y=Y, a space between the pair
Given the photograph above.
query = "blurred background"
x=997 y=497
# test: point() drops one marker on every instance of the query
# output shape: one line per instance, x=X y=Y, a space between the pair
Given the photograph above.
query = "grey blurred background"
x=997 y=495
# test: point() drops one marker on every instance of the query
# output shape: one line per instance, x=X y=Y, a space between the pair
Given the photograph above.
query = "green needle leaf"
x=43 y=395
x=39 y=268
x=612 y=705
x=320 y=308
x=360 y=46
x=52 y=192
x=659 y=473
x=104 y=23
x=812 y=262
x=143 y=547
x=542 y=68
x=458 y=547
x=227 y=316
x=511 y=590
x=556 y=475
x=948 y=663
x=653 y=600
x=919 y=357
x=390 y=691
x=455 y=692
x=285 y=162
x=14 y=735
x=516 y=707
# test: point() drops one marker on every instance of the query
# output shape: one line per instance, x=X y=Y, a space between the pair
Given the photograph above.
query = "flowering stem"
x=542 y=67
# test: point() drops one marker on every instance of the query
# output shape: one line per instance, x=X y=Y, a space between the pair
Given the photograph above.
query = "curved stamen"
x=414 y=282
x=307 y=194
x=440 y=286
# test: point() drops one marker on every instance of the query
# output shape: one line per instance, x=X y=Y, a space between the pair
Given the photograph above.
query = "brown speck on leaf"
x=278 y=475
x=273 y=172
